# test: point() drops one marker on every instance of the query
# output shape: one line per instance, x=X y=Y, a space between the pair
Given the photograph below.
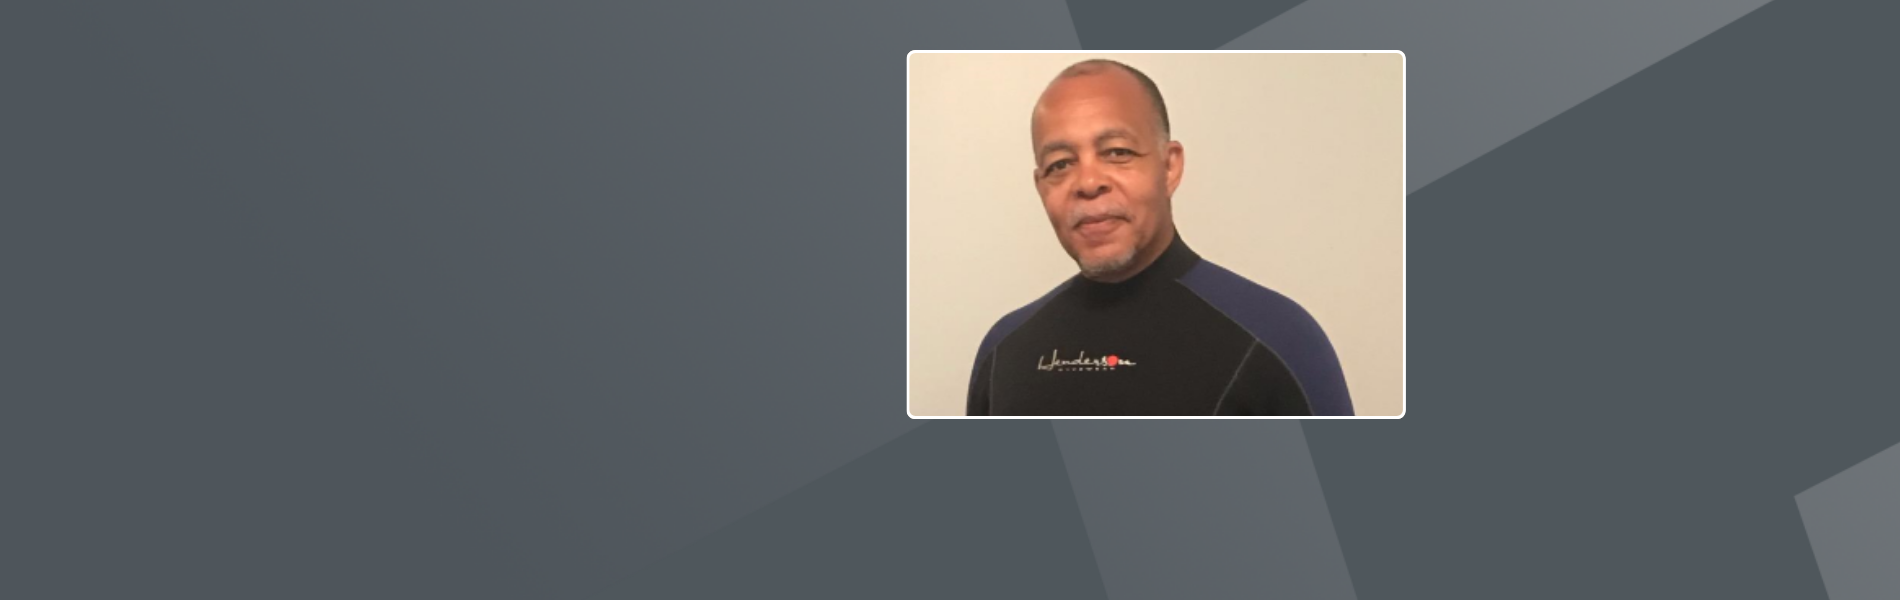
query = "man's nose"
x=1090 y=183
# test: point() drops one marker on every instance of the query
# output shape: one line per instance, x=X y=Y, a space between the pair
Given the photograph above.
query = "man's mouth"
x=1098 y=226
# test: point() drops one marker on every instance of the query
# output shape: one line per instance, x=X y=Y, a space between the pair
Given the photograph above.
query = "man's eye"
x=1120 y=153
x=1056 y=166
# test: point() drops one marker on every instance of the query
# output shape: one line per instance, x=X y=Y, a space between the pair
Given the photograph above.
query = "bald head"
x=1099 y=66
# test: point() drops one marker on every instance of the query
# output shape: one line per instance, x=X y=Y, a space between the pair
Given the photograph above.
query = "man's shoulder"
x=1015 y=318
x=1280 y=324
x=1224 y=287
x=1255 y=307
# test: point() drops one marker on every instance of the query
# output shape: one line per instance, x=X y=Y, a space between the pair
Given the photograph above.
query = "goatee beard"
x=1106 y=266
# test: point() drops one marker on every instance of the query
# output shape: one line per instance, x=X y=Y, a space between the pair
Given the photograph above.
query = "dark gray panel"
x=1640 y=328
x=1203 y=509
x=464 y=299
x=950 y=510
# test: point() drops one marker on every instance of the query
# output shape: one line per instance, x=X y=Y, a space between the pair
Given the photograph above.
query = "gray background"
x=606 y=300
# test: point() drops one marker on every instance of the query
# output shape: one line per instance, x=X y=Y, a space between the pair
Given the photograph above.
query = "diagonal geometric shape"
x=1133 y=24
x=1481 y=72
x=1182 y=509
x=950 y=510
x=1654 y=318
x=1852 y=527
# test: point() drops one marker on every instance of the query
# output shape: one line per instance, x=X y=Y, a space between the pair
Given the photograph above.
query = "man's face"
x=1105 y=172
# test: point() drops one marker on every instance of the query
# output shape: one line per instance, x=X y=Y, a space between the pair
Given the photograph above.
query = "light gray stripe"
x=1481 y=72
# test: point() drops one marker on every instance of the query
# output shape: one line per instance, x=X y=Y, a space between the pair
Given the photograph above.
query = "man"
x=1147 y=327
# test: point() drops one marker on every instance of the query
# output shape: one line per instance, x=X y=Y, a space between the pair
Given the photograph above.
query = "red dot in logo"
x=1112 y=360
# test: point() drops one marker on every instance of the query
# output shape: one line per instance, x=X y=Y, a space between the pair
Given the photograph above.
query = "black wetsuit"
x=1183 y=337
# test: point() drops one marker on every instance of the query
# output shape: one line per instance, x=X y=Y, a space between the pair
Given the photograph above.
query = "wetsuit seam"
x=997 y=348
x=1231 y=380
x=992 y=383
x=1305 y=398
x=1045 y=300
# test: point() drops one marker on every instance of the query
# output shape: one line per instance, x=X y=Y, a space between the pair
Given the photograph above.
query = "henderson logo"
x=1081 y=362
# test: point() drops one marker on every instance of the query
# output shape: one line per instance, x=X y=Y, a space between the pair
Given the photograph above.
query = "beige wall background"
x=1294 y=179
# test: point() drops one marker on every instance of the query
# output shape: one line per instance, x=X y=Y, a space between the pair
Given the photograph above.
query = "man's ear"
x=1177 y=162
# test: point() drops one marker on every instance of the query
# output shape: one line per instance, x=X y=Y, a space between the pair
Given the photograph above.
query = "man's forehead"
x=1107 y=95
x=1110 y=86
